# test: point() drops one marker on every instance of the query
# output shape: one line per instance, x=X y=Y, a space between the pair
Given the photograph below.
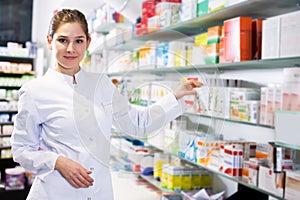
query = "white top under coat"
x=75 y=120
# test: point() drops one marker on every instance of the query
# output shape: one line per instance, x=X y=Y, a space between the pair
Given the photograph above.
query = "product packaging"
x=238 y=39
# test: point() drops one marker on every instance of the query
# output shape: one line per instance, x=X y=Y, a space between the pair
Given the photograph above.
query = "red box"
x=148 y=9
x=173 y=1
x=256 y=38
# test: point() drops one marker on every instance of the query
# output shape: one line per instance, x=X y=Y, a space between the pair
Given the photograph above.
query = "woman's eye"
x=79 y=41
x=62 y=40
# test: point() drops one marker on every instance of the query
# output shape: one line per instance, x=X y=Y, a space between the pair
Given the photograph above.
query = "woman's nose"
x=70 y=47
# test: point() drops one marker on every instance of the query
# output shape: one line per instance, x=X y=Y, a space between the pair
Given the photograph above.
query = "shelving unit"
x=106 y=27
x=266 y=64
x=8 y=162
x=254 y=8
x=185 y=31
x=227 y=120
x=257 y=191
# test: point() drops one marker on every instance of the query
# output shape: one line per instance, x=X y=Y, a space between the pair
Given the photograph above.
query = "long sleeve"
x=25 y=138
x=140 y=123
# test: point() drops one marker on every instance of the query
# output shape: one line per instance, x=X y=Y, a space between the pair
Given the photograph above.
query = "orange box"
x=221 y=47
x=214 y=34
x=238 y=39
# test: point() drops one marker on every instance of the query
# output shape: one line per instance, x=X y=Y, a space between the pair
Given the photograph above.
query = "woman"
x=64 y=119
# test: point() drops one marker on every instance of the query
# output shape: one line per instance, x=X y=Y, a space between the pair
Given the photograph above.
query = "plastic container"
x=14 y=178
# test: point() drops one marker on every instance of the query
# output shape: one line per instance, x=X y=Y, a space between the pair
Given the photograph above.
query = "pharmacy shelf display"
x=253 y=8
x=14 y=72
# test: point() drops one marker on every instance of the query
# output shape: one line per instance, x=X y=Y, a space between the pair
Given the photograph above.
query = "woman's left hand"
x=187 y=88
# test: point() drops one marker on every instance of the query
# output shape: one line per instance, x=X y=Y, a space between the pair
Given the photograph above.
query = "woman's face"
x=68 y=44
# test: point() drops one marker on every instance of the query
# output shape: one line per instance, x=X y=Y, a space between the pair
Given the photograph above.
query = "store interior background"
x=42 y=13
x=124 y=184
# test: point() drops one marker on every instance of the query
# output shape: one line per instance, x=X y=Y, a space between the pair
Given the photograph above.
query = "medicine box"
x=289 y=35
x=202 y=7
x=270 y=181
x=238 y=39
x=271 y=38
x=292 y=185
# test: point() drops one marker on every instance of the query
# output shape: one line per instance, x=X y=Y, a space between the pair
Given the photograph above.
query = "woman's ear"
x=49 y=41
x=88 y=42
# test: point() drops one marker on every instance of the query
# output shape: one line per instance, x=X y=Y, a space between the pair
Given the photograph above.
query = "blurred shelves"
x=276 y=63
x=124 y=46
x=238 y=180
x=18 y=59
x=108 y=26
x=227 y=120
x=254 y=8
x=5 y=73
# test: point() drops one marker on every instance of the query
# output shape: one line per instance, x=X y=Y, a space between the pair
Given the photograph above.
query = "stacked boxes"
x=179 y=178
x=279 y=39
x=212 y=47
x=188 y=10
x=244 y=104
x=165 y=11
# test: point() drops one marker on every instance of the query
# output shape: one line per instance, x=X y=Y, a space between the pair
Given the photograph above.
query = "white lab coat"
x=56 y=117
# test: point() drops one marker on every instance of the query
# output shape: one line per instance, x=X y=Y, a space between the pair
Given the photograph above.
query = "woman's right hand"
x=73 y=172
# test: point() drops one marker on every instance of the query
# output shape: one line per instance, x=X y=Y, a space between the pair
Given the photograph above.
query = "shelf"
x=155 y=183
x=8 y=111
x=106 y=27
x=254 y=8
x=9 y=99
x=6 y=123
x=237 y=180
x=227 y=120
x=5 y=147
x=16 y=59
x=9 y=87
x=291 y=146
x=276 y=63
x=4 y=135
x=16 y=73
x=126 y=45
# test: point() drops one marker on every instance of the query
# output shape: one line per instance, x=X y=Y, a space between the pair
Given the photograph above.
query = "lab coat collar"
x=64 y=77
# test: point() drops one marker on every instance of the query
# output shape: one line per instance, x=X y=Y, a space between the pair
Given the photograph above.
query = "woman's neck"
x=70 y=72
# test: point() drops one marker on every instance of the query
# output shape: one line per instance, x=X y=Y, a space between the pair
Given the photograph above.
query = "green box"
x=202 y=7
